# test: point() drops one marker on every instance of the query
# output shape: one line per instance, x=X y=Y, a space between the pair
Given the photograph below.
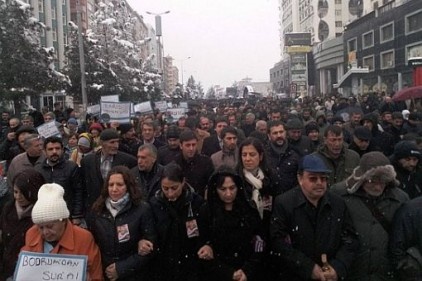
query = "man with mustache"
x=281 y=156
x=56 y=169
x=406 y=161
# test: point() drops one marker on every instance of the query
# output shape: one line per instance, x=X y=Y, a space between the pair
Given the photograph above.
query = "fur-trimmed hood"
x=384 y=173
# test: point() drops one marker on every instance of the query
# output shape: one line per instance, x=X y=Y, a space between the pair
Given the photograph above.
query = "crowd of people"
x=315 y=189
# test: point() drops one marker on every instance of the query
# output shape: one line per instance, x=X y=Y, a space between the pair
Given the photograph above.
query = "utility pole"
x=81 y=59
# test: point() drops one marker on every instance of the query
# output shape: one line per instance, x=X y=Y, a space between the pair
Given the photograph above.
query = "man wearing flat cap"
x=362 y=141
x=308 y=222
x=406 y=161
x=95 y=167
x=372 y=197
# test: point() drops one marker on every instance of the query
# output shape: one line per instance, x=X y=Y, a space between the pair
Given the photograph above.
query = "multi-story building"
x=170 y=75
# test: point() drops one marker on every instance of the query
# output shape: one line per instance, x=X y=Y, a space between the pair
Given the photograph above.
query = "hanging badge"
x=192 y=228
x=123 y=234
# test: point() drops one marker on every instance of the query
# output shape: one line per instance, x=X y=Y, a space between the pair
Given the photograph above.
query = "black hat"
x=25 y=129
x=337 y=119
x=124 y=128
x=312 y=126
x=406 y=149
x=294 y=124
x=362 y=133
x=109 y=134
x=173 y=132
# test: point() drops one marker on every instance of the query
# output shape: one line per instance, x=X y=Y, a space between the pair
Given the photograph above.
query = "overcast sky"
x=227 y=40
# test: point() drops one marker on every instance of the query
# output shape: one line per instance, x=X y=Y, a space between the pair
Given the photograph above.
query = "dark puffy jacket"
x=166 y=155
x=237 y=236
x=410 y=182
x=300 y=233
x=372 y=262
x=67 y=174
x=406 y=241
x=285 y=165
x=139 y=223
x=176 y=254
x=384 y=140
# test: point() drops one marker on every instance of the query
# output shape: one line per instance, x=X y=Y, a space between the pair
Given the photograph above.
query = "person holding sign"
x=120 y=220
x=53 y=232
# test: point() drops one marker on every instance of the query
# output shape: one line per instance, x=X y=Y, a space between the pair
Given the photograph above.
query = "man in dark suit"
x=214 y=143
x=95 y=167
x=148 y=129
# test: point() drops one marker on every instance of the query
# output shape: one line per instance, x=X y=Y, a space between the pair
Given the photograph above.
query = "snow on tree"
x=26 y=68
x=113 y=58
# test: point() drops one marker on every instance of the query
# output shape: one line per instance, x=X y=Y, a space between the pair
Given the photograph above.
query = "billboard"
x=297 y=39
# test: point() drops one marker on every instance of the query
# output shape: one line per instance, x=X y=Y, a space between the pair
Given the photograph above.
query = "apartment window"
x=414 y=22
x=352 y=45
x=368 y=62
x=42 y=32
x=65 y=42
x=41 y=6
x=54 y=33
x=339 y=24
x=387 y=32
x=368 y=39
x=387 y=59
x=338 y=12
x=64 y=19
x=53 y=13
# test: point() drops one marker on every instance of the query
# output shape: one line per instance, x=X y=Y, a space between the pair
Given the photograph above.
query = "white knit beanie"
x=50 y=205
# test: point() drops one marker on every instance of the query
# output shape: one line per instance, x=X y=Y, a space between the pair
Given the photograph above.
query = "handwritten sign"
x=176 y=113
x=93 y=109
x=118 y=111
x=38 y=266
x=161 y=105
x=48 y=130
x=113 y=98
x=143 y=107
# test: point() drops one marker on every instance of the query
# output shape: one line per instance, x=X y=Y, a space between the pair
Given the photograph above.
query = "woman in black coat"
x=236 y=234
x=182 y=249
x=121 y=220
x=16 y=219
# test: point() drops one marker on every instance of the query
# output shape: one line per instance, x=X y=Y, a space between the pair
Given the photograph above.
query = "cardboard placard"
x=48 y=130
x=161 y=105
x=112 y=98
x=183 y=104
x=176 y=113
x=143 y=107
x=118 y=111
x=93 y=109
x=39 y=266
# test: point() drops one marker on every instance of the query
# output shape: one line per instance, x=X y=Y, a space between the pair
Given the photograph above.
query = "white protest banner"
x=143 y=107
x=48 y=130
x=161 y=105
x=38 y=266
x=176 y=113
x=118 y=111
x=93 y=109
x=183 y=104
x=113 y=98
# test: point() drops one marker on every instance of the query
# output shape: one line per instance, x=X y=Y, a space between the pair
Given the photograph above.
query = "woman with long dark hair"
x=15 y=219
x=236 y=234
x=120 y=220
x=182 y=249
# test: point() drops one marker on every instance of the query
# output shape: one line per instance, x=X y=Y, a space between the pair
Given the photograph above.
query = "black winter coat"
x=176 y=254
x=139 y=223
x=91 y=174
x=197 y=171
x=67 y=174
x=13 y=232
x=406 y=241
x=148 y=183
x=300 y=233
x=237 y=236
x=410 y=182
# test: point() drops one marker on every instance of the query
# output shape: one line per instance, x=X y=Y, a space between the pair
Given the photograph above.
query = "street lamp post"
x=158 y=33
x=181 y=67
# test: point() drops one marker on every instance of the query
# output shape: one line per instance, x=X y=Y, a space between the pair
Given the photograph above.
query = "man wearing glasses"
x=309 y=221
